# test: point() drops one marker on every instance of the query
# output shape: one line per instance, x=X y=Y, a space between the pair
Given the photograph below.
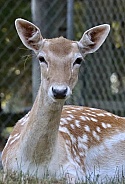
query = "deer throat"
x=41 y=132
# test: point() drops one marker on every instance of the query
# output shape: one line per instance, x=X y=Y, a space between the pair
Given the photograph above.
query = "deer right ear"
x=29 y=34
x=93 y=38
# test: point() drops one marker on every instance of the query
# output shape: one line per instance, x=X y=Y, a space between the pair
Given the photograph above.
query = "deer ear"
x=29 y=34
x=93 y=38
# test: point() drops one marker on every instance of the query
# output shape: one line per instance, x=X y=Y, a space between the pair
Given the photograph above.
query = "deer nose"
x=59 y=92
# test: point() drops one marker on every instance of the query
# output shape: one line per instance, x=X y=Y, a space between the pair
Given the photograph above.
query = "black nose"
x=59 y=93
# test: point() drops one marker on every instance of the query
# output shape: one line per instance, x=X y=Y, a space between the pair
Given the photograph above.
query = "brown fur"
x=60 y=46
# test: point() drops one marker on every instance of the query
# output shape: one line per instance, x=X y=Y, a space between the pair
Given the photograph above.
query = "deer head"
x=60 y=58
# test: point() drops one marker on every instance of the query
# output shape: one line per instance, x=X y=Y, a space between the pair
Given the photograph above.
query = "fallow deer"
x=69 y=140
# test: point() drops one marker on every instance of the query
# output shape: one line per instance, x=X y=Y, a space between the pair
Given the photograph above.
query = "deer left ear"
x=29 y=34
x=93 y=38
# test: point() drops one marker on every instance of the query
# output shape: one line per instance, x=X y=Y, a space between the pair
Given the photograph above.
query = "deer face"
x=60 y=58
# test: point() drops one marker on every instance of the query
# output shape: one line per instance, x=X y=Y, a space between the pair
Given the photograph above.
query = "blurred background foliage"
x=14 y=70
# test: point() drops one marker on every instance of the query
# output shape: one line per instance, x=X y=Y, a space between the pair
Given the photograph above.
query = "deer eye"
x=78 y=61
x=42 y=60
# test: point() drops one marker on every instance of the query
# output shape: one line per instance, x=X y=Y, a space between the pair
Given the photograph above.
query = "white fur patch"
x=108 y=114
x=88 y=118
x=95 y=135
x=77 y=123
x=83 y=118
x=98 y=129
x=100 y=114
x=83 y=139
x=104 y=125
x=93 y=119
x=72 y=126
x=87 y=128
x=71 y=116
x=64 y=129
x=69 y=119
x=63 y=121
x=93 y=115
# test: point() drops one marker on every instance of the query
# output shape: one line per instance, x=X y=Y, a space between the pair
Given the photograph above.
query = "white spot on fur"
x=71 y=116
x=104 y=125
x=63 y=121
x=69 y=112
x=73 y=139
x=64 y=129
x=88 y=118
x=88 y=110
x=95 y=135
x=87 y=128
x=93 y=115
x=69 y=119
x=93 y=119
x=93 y=109
x=72 y=126
x=109 y=125
x=83 y=118
x=77 y=123
x=100 y=114
x=83 y=139
x=74 y=110
x=98 y=129
x=108 y=113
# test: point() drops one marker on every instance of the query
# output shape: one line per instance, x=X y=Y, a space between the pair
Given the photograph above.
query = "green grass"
x=20 y=179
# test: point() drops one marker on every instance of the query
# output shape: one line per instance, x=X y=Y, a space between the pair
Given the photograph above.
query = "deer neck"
x=41 y=133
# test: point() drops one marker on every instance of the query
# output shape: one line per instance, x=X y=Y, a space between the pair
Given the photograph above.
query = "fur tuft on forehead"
x=60 y=46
